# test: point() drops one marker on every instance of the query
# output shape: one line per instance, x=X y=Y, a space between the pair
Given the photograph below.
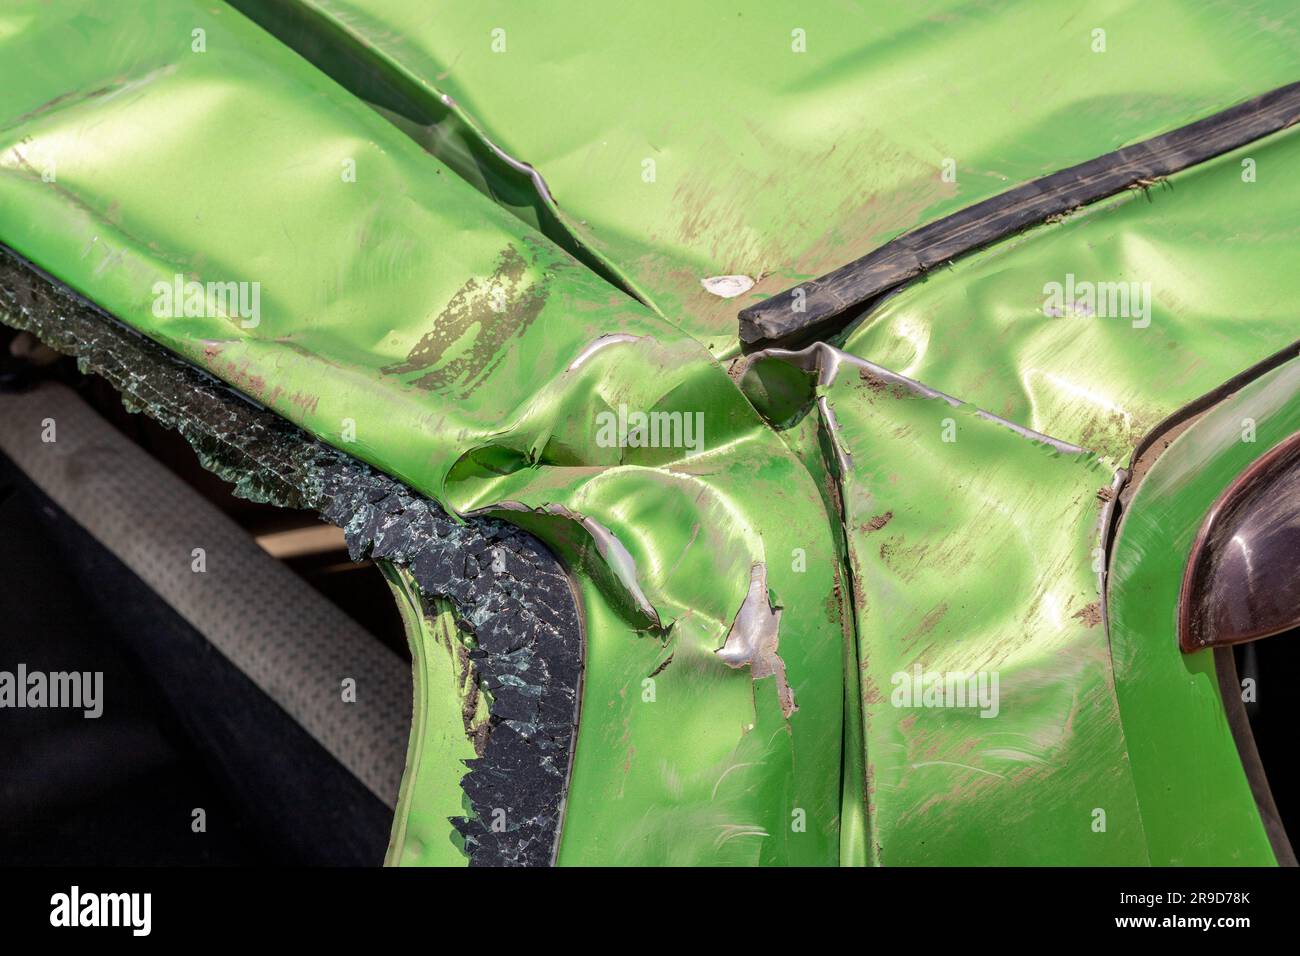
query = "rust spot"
x=1090 y=615
x=875 y=384
x=304 y=401
x=879 y=386
x=877 y=522
x=832 y=488
x=835 y=602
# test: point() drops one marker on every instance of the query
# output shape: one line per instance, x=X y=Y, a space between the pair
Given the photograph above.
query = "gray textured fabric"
x=293 y=643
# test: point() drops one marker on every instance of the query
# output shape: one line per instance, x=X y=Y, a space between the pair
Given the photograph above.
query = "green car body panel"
x=683 y=141
x=1213 y=249
x=478 y=230
x=1179 y=740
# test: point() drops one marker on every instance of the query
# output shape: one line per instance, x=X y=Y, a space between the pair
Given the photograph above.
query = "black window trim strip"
x=823 y=302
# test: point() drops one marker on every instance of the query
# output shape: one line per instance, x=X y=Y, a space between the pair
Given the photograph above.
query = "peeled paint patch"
x=753 y=638
x=468 y=337
x=728 y=287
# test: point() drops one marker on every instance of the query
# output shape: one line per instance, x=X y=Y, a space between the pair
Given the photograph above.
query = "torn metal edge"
x=509 y=591
x=821 y=301
x=754 y=639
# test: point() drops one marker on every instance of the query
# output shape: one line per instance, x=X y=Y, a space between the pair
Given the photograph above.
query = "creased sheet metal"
x=1036 y=329
x=971 y=547
x=404 y=308
x=683 y=141
x=407 y=317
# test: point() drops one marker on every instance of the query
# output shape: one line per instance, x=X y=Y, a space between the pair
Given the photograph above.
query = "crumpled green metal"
x=411 y=315
x=682 y=140
x=1211 y=252
x=450 y=713
x=406 y=311
x=972 y=549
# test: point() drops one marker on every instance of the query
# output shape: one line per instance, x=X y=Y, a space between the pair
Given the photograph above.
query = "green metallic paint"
x=972 y=550
x=1184 y=759
x=472 y=355
x=408 y=304
x=448 y=708
x=1217 y=251
x=781 y=165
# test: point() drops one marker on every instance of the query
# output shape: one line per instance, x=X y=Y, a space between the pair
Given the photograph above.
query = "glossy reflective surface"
x=1200 y=286
x=778 y=140
x=1243 y=577
x=1182 y=750
x=971 y=549
x=468 y=355
x=457 y=342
